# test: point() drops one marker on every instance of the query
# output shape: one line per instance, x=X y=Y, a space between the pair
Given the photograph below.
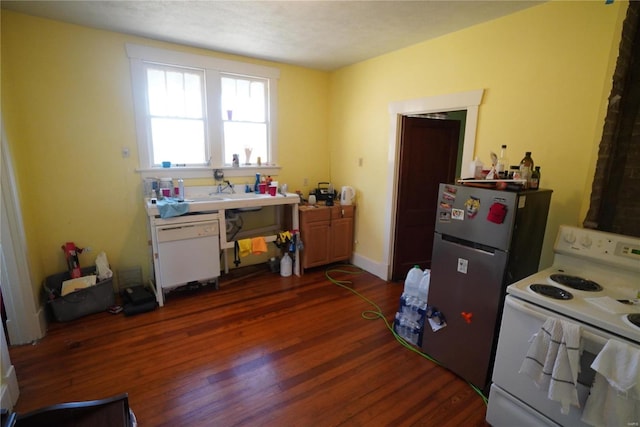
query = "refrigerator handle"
x=469 y=244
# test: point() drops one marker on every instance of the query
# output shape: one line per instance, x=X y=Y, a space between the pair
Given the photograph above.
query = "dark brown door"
x=428 y=156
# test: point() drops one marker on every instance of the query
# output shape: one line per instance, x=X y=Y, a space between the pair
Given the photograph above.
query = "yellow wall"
x=67 y=109
x=68 y=112
x=546 y=72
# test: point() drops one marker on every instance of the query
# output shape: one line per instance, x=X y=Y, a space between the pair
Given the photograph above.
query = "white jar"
x=286 y=265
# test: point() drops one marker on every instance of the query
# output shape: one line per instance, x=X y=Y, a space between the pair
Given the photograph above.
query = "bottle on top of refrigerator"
x=527 y=161
x=535 y=179
x=526 y=168
x=475 y=169
x=502 y=165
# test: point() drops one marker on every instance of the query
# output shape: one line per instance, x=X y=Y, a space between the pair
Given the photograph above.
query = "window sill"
x=207 y=172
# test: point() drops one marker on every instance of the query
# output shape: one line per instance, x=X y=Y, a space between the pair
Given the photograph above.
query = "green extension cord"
x=377 y=314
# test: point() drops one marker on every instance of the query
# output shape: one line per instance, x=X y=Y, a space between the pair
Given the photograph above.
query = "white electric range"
x=594 y=282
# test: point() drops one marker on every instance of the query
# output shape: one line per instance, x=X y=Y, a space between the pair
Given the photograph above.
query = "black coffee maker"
x=329 y=200
x=324 y=192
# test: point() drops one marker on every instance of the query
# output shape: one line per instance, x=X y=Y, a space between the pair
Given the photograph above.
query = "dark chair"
x=8 y=419
x=110 y=412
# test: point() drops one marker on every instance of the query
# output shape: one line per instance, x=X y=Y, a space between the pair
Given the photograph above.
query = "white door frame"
x=26 y=321
x=468 y=101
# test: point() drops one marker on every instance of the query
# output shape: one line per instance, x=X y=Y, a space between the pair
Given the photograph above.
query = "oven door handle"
x=592 y=342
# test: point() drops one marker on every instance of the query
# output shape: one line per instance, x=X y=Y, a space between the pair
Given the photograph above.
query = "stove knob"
x=586 y=241
x=570 y=237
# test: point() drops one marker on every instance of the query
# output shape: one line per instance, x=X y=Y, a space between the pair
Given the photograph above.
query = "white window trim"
x=213 y=67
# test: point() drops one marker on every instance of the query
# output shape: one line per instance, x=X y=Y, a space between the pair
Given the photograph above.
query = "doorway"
x=24 y=321
x=462 y=101
x=429 y=147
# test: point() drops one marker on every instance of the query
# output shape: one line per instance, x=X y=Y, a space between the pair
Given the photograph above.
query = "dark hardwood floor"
x=262 y=350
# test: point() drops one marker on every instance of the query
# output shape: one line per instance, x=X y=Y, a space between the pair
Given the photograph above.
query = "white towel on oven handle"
x=564 y=378
x=619 y=363
x=543 y=350
x=553 y=361
x=615 y=395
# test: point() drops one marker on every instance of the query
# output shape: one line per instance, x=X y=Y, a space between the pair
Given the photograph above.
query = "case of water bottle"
x=409 y=321
x=410 y=317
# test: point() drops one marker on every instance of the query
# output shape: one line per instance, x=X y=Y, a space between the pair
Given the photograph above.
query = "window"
x=175 y=116
x=197 y=112
x=244 y=113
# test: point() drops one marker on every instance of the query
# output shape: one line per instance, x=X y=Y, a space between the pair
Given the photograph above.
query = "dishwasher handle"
x=170 y=233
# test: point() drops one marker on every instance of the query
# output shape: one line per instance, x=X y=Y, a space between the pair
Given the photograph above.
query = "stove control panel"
x=608 y=248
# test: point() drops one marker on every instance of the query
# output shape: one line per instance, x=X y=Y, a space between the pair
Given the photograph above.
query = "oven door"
x=510 y=389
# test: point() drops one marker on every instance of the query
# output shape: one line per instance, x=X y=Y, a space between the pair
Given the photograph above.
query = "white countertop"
x=216 y=202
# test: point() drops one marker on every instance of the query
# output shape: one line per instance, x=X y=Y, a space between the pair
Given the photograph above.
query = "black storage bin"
x=93 y=299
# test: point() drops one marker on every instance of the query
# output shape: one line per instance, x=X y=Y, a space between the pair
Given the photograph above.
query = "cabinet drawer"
x=315 y=214
x=338 y=212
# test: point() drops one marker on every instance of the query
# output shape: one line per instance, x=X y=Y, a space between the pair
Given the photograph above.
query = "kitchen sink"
x=206 y=199
x=237 y=196
x=225 y=196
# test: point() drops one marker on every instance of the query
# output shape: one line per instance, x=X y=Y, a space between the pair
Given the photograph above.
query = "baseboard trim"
x=373 y=267
x=43 y=324
x=9 y=390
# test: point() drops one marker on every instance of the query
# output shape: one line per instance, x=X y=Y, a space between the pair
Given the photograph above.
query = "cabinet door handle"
x=342 y=213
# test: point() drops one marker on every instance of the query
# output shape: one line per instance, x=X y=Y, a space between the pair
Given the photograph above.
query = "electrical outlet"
x=87 y=249
x=125 y=152
x=305 y=182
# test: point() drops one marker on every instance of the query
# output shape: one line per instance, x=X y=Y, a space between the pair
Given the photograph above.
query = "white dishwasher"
x=188 y=251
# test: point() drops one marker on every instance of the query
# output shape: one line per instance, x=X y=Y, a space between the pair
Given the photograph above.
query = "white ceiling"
x=324 y=35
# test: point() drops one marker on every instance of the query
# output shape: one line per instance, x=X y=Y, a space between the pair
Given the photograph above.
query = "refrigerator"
x=484 y=240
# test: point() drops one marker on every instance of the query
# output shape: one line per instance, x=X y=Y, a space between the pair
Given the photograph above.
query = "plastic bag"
x=102 y=266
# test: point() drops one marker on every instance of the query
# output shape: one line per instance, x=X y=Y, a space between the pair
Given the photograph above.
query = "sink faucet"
x=228 y=185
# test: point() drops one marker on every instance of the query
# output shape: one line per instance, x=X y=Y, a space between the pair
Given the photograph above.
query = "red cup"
x=272 y=190
x=262 y=188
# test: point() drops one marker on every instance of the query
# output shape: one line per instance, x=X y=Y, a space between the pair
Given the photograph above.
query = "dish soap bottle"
x=256 y=187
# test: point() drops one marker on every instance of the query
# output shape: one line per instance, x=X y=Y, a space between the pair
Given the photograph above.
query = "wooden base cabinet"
x=327 y=234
